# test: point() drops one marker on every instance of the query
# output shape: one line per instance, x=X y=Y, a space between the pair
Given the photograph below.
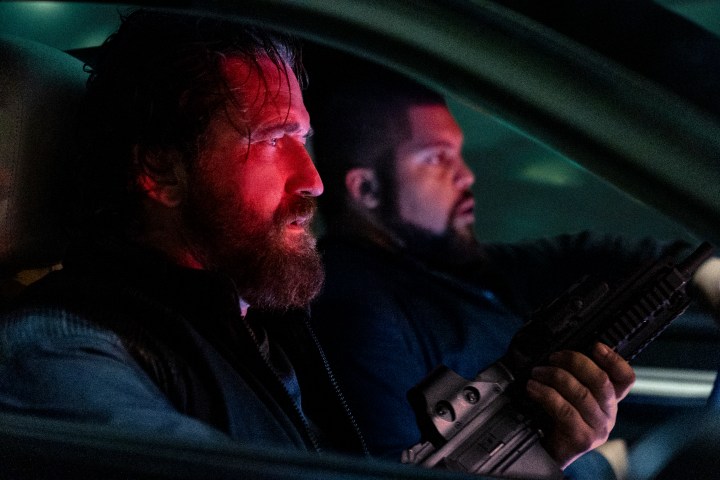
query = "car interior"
x=41 y=93
x=41 y=88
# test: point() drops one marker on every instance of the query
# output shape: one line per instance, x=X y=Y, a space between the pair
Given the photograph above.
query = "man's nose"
x=305 y=180
x=464 y=177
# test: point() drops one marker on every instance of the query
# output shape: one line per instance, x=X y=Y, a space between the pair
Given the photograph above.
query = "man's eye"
x=433 y=159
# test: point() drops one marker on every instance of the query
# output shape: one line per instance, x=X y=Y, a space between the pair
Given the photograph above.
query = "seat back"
x=40 y=94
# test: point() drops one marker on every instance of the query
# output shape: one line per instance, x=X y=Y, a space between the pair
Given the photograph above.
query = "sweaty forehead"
x=433 y=120
x=240 y=70
x=431 y=125
x=264 y=88
x=251 y=79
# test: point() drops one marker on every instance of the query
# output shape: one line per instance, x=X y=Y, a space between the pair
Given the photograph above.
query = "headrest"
x=40 y=94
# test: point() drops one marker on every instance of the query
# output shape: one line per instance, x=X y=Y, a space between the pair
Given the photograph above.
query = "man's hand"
x=707 y=279
x=581 y=396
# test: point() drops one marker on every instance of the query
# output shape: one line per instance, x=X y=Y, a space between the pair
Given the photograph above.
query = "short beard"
x=447 y=251
x=268 y=274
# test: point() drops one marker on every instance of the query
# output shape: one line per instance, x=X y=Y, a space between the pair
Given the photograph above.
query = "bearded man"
x=408 y=285
x=180 y=309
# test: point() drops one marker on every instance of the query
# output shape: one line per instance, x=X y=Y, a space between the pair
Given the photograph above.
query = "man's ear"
x=363 y=187
x=162 y=176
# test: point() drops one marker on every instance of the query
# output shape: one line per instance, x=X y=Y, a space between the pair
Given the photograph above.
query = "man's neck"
x=164 y=233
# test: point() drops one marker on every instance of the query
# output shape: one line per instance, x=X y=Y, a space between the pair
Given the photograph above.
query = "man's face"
x=432 y=181
x=251 y=197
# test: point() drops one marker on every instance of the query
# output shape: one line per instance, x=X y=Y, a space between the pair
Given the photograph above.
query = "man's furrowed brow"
x=435 y=145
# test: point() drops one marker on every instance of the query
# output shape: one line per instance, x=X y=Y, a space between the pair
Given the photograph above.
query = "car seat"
x=40 y=94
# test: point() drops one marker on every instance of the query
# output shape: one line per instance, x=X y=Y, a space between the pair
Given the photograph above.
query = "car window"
x=527 y=190
x=63 y=25
x=705 y=14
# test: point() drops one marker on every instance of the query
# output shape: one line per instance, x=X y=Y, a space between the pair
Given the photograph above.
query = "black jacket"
x=184 y=330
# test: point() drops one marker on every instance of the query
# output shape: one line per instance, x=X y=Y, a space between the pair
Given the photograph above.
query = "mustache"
x=464 y=196
x=297 y=207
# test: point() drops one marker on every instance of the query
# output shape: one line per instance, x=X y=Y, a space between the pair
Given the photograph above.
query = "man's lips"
x=299 y=214
x=465 y=207
x=464 y=213
x=299 y=221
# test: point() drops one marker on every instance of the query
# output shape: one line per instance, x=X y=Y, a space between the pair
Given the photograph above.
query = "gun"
x=487 y=426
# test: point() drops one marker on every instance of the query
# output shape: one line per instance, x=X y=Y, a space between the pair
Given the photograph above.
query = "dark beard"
x=447 y=251
x=450 y=250
x=267 y=273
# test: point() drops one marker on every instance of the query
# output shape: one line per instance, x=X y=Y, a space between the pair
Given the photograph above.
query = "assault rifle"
x=487 y=425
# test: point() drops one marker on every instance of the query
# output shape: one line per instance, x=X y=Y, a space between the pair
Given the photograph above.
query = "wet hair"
x=359 y=116
x=153 y=88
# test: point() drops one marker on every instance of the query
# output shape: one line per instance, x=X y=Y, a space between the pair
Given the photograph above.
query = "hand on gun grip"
x=558 y=362
x=580 y=396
